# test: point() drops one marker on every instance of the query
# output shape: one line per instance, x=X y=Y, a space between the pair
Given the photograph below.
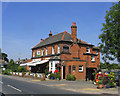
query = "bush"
x=71 y=77
x=52 y=75
x=6 y=72
x=100 y=82
x=57 y=76
x=111 y=84
x=21 y=69
x=35 y=74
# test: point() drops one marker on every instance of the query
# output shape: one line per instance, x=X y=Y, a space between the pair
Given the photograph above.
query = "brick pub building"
x=66 y=53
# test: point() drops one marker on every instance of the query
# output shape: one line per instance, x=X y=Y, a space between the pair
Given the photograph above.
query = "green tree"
x=12 y=66
x=5 y=57
x=110 y=38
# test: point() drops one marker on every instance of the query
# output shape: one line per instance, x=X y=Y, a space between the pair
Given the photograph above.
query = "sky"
x=25 y=23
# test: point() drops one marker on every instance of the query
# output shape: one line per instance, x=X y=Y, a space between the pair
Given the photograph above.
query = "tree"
x=5 y=57
x=110 y=38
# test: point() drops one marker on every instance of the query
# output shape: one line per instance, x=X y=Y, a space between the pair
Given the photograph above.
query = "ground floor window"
x=73 y=68
x=69 y=69
x=80 y=68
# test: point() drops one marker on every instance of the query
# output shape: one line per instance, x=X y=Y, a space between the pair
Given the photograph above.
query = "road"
x=14 y=86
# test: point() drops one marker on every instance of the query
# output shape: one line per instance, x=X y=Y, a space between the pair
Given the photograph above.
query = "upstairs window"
x=80 y=68
x=58 y=48
x=33 y=54
x=66 y=48
x=38 y=52
x=96 y=52
x=42 y=51
x=46 y=51
x=87 y=49
x=92 y=58
x=53 y=50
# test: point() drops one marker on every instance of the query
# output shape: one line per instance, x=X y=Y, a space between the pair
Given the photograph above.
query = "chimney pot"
x=74 y=23
x=41 y=40
x=50 y=34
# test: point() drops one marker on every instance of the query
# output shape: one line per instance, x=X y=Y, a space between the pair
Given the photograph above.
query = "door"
x=63 y=72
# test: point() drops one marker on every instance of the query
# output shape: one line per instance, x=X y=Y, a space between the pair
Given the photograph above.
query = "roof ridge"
x=82 y=41
x=63 y=36
x=54 y=35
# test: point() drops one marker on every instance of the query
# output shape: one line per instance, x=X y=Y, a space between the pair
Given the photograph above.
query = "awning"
x=41 y=62
x=33 y=63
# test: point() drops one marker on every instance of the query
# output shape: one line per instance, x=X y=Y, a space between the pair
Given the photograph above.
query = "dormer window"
x=66 y=49
x=92 y=58
x=87 y=49
x=53 y=49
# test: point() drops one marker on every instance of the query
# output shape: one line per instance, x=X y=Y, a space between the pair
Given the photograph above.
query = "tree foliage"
x=5 y=57
x=108 y=66
x=110 y=38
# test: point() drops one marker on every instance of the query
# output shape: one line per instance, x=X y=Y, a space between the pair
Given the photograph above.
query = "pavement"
x=68 y=87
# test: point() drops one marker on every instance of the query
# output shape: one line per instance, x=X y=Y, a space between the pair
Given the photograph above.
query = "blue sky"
x=24 y=24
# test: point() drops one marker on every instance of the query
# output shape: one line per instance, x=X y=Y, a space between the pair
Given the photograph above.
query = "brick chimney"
x=50 y=34
x=74 y=32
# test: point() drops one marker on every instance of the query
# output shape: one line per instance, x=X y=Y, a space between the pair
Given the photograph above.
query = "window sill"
x=81 y=71
x=93 y=61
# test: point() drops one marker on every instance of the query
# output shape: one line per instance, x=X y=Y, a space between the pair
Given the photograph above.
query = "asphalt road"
x=16 y=87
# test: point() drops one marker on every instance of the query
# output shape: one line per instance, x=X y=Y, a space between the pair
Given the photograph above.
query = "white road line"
x=15 y=88
x=1 y=82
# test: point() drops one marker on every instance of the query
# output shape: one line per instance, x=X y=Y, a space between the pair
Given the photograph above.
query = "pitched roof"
x=63 y=36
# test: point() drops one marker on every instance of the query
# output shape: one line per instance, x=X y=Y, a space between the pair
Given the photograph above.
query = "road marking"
x=1 y=82
x=15 y=88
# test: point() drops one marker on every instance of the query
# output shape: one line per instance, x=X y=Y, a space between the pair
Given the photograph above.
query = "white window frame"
x=58 y=48
x=38 y=51
x=53 y=49
x=46 y=51
x=87 y=49
x=42 y=51
x=92 y=58
x=34 y=54
x=80 y=67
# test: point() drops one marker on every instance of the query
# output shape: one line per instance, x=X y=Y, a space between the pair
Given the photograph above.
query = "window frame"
x=33 y=53
x=39 y=52
x=65 y=48
x=53 y=49
x=58 y=48
x=73 y=68
x=46 y=51
x=81 y=68
x=42 y=52
x=87 y=49
x=93 y=58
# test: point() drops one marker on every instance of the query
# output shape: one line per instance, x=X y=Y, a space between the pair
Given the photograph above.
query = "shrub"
x=51 y=75
x=35 y=74
x=57 y=76
x=6 y=72
x=100 y=82
x=111 y=84
x=71 y=77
